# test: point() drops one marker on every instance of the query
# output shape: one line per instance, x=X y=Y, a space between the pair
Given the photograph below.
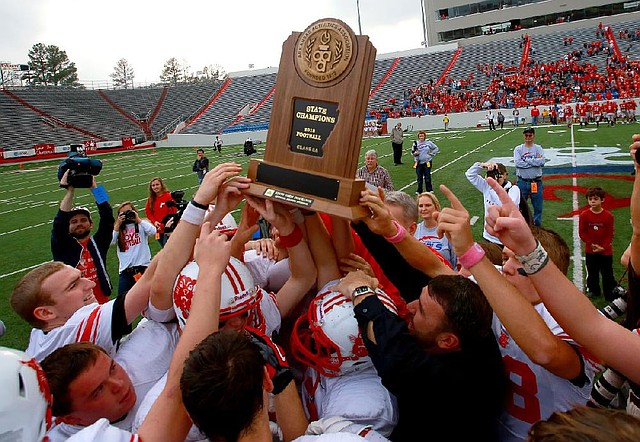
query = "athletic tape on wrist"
x=193 y=215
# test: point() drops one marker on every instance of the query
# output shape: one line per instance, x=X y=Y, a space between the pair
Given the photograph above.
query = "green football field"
x=579 y=158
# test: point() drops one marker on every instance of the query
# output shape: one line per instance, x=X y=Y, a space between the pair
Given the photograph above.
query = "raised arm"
x=634 y=248
x=516 y=313
x=179 y=248
x=303 y=273
x=609 y=341
x=168 y=420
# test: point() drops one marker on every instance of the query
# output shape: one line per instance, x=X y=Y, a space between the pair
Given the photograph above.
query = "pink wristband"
x=398 y=236
x=472 y=256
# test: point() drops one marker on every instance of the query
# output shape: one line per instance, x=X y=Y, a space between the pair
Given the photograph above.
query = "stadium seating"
x=62 y=115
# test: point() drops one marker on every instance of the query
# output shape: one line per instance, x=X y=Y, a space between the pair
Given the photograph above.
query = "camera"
x=180 y=204
x=637 y=154
x=619 y=292
x=495 y=174
x=81 y=168
x=129 y=216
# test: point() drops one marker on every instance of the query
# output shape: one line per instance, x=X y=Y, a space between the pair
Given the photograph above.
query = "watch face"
x=362 y=290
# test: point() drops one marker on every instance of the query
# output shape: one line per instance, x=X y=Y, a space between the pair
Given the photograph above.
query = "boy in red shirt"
x=596 y=230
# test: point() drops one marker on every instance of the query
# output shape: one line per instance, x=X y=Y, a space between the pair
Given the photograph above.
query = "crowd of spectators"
x=576 y=76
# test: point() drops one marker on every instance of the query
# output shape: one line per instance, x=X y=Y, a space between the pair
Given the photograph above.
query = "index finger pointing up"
x=453 y=199
x=502 y=194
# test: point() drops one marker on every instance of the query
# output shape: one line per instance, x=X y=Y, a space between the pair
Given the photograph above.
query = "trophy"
x=317 y=119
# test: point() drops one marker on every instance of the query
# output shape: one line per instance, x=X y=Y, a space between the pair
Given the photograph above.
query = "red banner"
x=127 y=142
x=44 y=149
x=89 y=145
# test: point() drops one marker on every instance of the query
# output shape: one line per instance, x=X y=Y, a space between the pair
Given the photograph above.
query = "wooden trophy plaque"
x=315 y=131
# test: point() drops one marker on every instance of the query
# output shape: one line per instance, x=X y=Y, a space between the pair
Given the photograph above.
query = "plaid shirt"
x=379 y=177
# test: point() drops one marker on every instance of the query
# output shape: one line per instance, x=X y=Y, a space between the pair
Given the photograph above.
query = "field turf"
x=580 y=158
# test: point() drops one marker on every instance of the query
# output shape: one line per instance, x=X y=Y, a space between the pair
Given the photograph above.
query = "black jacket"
x=67 y=249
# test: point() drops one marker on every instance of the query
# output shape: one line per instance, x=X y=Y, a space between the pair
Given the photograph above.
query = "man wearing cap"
x=73 y=244
x=529 y=160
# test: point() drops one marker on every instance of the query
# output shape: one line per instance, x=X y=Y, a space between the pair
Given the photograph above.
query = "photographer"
x=71 y=240
x=498 y=172
x=131 y=234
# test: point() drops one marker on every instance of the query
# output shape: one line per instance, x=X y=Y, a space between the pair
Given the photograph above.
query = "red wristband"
x=472 y=256
x=292 y=239
x=398 y=236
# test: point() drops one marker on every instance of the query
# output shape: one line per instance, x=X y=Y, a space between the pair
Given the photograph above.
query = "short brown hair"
x=492 y=251
x=595 y=191
x=28 y=294
x=63 y=366
x=585 y=424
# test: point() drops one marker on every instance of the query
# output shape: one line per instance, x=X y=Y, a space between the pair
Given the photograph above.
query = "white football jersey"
x=91 y=323
x=102 y=431
x=357 y=396
x=534 y=393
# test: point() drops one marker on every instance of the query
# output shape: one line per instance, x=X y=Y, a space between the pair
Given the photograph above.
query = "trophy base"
x=337 y=196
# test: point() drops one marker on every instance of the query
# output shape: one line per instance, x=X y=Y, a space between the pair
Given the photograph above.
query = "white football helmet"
x=327 y=336
x=239 y=293
x=25 y=402
x=228 y=225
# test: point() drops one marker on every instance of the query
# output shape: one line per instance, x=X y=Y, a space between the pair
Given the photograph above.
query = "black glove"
x=273 y=356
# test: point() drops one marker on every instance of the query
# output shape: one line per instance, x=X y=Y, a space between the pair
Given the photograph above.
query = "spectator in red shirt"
x=159 y=205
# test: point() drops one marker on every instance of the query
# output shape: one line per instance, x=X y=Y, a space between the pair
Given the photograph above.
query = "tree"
x=123 y=74
x=210 y=73
x=172 y=72
x=51 y=66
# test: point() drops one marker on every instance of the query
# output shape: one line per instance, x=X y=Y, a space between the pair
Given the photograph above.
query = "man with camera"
x=71 y=239
x=131 y=234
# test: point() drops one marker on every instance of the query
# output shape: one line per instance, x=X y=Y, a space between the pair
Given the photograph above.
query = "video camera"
x=180 y=204
x=81 y=168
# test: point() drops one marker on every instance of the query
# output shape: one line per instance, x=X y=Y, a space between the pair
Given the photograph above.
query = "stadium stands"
x=60 y=115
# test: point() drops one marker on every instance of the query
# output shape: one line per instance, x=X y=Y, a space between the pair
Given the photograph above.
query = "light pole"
x=424 y=25
x=359 y=24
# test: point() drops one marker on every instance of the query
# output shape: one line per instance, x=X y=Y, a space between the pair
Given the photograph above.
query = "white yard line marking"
x=577 y=244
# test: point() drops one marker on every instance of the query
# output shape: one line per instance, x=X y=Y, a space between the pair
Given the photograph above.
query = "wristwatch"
x=360 y=291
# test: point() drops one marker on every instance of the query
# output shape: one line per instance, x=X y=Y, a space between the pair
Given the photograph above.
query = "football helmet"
x=227 y=225
x=25 y=404
x=239 y=293
x=327 y=336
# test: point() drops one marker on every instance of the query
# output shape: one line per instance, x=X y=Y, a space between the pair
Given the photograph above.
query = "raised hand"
x=352 y=281
x=275 y=213
x=213 y=180
x=212 y=250
x=506 y=223
x=380 y=221
x=454 y=223
x=355 y=262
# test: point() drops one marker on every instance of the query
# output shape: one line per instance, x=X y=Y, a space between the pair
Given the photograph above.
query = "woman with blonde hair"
x=426 y=232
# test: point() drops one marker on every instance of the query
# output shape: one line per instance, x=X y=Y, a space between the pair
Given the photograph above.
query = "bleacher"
x=411 y=71
x=241 y=92
x=73 y=115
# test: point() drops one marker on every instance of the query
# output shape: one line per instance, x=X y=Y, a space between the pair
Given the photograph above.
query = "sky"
x=198 y=33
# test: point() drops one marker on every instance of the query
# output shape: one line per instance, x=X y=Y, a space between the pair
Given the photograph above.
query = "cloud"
x=231 y=34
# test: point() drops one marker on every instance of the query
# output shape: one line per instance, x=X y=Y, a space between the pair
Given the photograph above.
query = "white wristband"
x=534 y=261
x=193 y=215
